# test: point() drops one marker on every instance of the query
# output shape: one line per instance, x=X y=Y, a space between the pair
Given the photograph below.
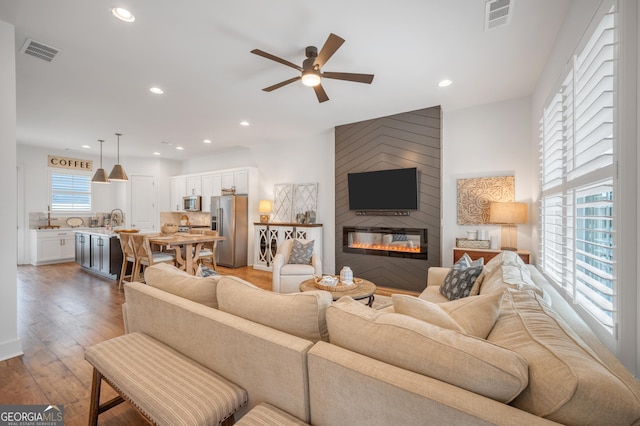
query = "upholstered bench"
x=267 y=415
x=164 y=385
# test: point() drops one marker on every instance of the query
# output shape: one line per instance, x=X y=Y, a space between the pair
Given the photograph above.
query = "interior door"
x=143 y=203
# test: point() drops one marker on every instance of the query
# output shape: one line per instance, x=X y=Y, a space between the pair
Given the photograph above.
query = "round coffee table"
x=365 y=289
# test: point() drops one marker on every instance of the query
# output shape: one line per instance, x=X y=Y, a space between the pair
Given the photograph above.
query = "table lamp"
x=509 y=215
x=264 y=208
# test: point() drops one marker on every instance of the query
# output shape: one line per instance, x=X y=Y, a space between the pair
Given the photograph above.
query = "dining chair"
x=128 y=256
x=146 y=257
x=209 y=250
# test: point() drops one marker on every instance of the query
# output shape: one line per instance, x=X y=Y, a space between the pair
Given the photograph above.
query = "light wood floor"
x=63 y=310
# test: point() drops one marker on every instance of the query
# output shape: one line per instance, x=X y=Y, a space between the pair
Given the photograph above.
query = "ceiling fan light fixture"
x=311 y=78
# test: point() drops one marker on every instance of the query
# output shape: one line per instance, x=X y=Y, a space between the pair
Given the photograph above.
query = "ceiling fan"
x=311 y=74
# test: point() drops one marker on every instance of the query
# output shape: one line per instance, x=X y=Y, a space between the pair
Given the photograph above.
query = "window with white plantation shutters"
x=70 y=192
x=577 y=203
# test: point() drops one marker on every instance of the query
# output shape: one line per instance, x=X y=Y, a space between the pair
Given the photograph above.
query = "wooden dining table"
x=192 y=244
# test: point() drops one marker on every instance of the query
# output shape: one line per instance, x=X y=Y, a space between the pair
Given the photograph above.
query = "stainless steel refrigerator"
x=230 y=217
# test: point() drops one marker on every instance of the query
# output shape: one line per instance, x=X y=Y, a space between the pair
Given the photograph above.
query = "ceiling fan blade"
x=332 y=44
x=320 y=93
x=282 y=83
x=275 y=58
x=358 y=78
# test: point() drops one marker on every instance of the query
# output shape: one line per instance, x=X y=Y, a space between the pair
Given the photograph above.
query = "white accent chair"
x=288 y=276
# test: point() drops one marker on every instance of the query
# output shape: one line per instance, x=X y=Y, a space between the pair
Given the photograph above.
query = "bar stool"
x=128 y=256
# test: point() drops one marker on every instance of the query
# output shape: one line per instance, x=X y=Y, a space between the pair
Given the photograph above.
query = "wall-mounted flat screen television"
x=395 y=189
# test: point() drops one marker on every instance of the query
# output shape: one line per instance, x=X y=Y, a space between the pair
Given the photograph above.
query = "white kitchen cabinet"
x=268 y=238
x=52 y=246
x=194 y=185
x=228 y=181
x=241 y=181
x=238 y=179
x=178 y=190
x=211 y=186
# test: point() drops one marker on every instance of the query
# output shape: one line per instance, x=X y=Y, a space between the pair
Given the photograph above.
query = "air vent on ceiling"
x=39 y=50
x=497 y=13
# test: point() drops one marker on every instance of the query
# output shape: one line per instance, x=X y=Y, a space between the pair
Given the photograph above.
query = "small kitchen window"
x=70 y=192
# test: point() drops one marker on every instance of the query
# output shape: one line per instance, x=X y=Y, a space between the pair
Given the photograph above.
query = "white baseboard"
x=10 y=349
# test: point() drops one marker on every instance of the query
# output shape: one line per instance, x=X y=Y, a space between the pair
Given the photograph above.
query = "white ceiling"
x=199 y=53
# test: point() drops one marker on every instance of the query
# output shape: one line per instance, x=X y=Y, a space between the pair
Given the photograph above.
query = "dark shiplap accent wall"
x=410 y=139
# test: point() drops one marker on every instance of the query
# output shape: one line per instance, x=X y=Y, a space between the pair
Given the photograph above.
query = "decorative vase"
x=346 y=275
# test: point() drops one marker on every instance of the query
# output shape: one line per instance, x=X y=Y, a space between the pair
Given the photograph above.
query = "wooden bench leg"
x=95 y=408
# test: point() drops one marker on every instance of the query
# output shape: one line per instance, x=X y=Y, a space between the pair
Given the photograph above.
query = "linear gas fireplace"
x=393 y=242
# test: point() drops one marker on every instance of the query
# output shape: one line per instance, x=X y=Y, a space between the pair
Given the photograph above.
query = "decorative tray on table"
x=330 y=283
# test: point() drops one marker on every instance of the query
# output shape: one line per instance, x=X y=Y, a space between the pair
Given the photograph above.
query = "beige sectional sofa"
x=503 y=356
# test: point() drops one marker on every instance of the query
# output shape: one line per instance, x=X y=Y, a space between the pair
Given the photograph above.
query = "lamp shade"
x=100 y=176
x=265 y=206
x=508 y=213
x=117 y=173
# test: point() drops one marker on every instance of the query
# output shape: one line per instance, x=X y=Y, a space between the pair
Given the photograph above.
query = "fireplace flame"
x=398 y=248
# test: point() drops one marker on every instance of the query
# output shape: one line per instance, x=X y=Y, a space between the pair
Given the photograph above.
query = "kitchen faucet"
x=116 y=219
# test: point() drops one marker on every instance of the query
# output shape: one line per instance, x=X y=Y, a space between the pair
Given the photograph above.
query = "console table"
x=270 y=235
x=488 y=254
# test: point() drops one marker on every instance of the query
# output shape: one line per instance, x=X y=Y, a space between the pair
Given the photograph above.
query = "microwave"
x=191 y=203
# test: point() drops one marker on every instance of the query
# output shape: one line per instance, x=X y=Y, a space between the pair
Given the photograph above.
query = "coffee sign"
x=70 y=163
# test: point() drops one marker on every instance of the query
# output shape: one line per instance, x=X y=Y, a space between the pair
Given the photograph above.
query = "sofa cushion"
x=567 y=382
x=446 y=355
x=507 y=270
x=301 y=252
x=300 y=314
x=474 y=315
x=173 y=280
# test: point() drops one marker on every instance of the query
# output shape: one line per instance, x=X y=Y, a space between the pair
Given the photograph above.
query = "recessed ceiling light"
x=445 y=83
x=206 y=141
x=156 y=90
x=179 y=148
x=86 y=146
x=244 y=123
x=123 y=14
x=156 y=153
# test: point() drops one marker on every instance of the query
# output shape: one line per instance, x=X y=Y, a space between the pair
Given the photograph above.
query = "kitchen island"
x=99 y=251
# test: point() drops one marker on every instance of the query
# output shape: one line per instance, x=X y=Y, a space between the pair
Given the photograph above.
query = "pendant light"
x=118 y=172
x=100 y=176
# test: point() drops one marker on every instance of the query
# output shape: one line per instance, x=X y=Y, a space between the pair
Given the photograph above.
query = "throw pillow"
x=301 y=252
x=474 y=315
x=459 y=282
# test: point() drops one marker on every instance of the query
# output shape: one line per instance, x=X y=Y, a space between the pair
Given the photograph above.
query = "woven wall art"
x=476 y=194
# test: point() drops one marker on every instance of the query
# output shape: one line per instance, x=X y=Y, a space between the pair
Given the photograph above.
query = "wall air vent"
x=39 y=50
x=497 y=13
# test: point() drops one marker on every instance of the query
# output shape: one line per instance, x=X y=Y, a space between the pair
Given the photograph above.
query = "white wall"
x=299 y=161
x=483 y=141
x=10 y=345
